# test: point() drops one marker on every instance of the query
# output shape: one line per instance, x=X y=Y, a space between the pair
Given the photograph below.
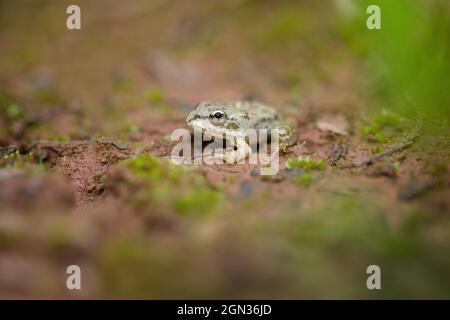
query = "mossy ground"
x=85 y=128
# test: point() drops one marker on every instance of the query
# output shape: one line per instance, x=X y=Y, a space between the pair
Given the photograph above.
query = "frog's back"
x=261 y=116
x=268 y=118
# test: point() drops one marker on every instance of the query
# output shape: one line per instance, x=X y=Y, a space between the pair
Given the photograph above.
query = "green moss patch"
x=306 y=163
x=169 y=187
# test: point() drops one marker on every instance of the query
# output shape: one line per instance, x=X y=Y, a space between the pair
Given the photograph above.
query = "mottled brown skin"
x=234 y=119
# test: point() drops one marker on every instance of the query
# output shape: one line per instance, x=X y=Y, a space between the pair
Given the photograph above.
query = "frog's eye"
x=217 y=115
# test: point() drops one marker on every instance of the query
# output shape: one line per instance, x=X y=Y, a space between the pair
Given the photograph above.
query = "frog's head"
x=218 y=118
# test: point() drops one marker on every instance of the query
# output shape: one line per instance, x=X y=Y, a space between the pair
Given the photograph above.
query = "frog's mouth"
x=209 y=132
x=206 y=127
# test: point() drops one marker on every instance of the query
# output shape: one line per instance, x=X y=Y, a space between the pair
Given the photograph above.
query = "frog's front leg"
x=236 y=150
x=240 y=151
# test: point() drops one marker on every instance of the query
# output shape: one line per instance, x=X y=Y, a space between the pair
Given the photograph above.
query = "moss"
x=125 y=250
x=133 y=267
x=375 y=133
x=306 y=163
x=48 y=97
x=170 y=187
x=350 y=224
x=10 y=111
x=436 y=169
x=130 y=127
x=62 y=138
x=197 y=201
x=383 y=127
x=154 y=96
x=387 y=119
x=59 y=236
x=367 y=130
x=381 y=138
x=6 y=100
x=305 y=179
x=122 y=82
x=376 y=149
x=25 y=161
x=150 y=168
x=15 y=111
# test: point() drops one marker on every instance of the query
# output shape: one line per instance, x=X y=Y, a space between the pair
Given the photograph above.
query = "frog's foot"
x=236 y=156
x=286 y=145
x=240 y=151
x=287 y=137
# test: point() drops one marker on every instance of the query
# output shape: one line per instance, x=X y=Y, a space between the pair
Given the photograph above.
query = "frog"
x=231 y=120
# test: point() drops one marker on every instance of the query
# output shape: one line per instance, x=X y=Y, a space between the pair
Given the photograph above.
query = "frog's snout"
x=191 y=117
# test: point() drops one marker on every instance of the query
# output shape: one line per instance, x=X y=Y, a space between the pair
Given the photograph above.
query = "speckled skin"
x=234 y=121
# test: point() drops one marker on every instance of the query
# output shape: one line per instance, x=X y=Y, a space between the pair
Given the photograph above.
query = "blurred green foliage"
x=408 y=59
x=10 y=108
x=305 y=179
x=160 y=183
x=154 y=96
x=330 y=244
x=283 y=28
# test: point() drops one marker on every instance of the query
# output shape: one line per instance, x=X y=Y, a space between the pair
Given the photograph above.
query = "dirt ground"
x=86 y=118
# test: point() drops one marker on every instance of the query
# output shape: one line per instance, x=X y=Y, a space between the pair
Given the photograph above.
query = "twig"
x=381 y=155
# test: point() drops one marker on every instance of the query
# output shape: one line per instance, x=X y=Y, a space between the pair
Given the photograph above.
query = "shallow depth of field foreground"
x=86 y=179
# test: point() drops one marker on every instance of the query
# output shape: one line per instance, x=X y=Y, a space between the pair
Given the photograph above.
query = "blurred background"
x=86 y=116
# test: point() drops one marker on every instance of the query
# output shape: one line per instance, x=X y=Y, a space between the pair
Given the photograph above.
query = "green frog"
x=232 y=120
